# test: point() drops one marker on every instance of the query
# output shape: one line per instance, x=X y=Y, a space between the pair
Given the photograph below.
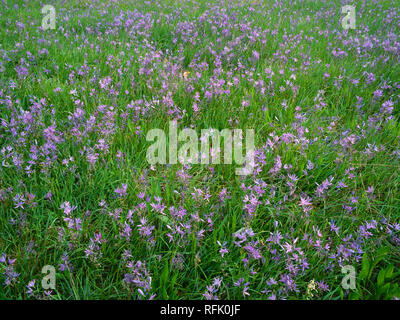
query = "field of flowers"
x=318 y=217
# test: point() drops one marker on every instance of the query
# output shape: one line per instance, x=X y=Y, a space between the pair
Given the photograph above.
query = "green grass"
x=89 y=43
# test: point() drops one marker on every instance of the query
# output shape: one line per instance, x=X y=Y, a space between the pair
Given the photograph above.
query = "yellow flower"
x=311 y=287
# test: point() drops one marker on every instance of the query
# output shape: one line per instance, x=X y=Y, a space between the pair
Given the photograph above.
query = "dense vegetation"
x=76 y=190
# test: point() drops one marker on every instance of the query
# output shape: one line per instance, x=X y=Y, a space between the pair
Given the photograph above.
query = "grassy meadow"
x=77 y=192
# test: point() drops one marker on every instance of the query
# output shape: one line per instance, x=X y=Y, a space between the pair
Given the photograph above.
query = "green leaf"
x=389 y=272
x=163 y=281
x=381 y=290
x=365 y=267
x=354 y=296
x=381 y=277
x=172 y=288
x=380 y=255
